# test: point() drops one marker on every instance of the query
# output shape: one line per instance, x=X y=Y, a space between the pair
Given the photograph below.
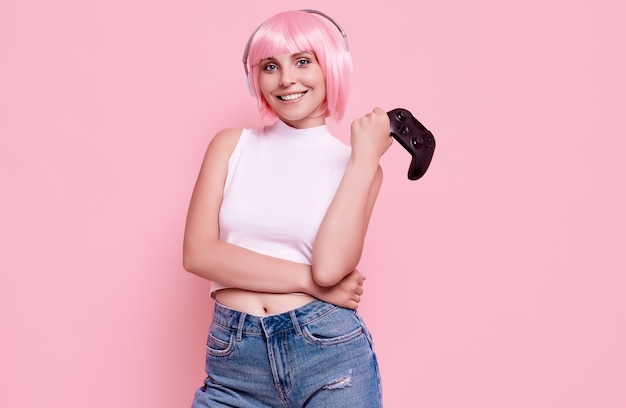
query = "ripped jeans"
x=316 y=356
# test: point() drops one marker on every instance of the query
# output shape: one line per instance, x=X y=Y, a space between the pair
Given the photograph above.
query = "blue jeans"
x=316 y=356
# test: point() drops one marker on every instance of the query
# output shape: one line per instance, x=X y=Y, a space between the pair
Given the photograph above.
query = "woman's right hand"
x=347 y=293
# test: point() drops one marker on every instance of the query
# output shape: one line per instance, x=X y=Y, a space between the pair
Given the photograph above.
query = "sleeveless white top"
x=279 y=185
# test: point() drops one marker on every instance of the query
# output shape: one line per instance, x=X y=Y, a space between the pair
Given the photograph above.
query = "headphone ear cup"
x=249 y=84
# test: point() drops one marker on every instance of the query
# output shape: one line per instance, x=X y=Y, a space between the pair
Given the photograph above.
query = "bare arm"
x=208 y=257
x=339 y=242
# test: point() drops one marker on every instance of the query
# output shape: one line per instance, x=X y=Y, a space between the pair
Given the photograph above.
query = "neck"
x=305 y=123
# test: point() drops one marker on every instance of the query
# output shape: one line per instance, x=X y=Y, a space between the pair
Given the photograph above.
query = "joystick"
x=415 y=138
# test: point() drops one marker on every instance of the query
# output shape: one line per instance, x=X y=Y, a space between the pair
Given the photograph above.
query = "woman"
x=277 y=222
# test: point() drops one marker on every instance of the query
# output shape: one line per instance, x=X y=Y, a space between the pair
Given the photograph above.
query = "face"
x=294 y=87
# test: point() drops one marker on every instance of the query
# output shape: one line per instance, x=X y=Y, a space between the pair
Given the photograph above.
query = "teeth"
x=291 y=97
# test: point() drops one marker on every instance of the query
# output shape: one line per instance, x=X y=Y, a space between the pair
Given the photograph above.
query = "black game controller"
x=415 y=138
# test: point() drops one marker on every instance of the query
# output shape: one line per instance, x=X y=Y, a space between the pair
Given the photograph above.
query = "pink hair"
x=295 y=31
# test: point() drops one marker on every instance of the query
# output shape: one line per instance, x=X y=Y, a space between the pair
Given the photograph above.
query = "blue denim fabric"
x=317 y=356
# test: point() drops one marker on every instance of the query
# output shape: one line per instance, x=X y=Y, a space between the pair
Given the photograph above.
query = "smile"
x=291 y=97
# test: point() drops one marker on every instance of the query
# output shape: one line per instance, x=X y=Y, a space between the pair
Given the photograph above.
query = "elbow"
x=325 y=281
x=324 y=271
x=199 y=258
x=188 y=263
x=329 y=271
x=327 y=277
x=191 y=260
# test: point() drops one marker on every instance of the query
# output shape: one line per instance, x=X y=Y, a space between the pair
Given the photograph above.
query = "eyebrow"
x=301 y=54
x=294 y=55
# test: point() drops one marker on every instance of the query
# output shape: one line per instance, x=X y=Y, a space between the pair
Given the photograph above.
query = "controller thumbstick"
x=401 y=116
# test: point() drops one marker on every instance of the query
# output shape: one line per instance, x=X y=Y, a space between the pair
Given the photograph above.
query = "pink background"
x=497 y=280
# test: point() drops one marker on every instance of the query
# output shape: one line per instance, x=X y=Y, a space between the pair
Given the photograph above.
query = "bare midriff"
x=261 y=304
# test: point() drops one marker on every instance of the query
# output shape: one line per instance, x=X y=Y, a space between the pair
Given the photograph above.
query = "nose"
x=287 y=77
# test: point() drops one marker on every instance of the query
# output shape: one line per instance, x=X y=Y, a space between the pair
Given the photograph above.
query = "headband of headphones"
x=326 y=16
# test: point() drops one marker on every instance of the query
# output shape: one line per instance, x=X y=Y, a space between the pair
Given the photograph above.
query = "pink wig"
x=290 y=32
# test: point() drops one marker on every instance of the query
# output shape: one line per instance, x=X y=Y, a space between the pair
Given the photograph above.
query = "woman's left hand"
x=370 y=135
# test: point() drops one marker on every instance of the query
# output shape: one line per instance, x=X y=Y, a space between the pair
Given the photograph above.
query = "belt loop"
x=242 y=320
x=294 y=321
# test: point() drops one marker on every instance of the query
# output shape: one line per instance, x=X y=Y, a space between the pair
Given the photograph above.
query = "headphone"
x=246 y=51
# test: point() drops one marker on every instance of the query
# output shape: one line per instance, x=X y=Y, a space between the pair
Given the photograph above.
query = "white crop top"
x=279 y=185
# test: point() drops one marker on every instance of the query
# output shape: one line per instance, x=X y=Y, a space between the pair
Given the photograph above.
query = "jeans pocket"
x=220 y=342
x=338 y=327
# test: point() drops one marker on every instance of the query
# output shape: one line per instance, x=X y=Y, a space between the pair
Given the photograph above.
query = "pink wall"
x=497 y=280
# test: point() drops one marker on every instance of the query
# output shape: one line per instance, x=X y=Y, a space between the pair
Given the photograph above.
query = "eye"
x=303 y=61
x=270 y=66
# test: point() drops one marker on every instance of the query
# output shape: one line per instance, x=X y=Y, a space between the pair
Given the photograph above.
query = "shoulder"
x=221 y=147
x=224 y=142
x=226 y=137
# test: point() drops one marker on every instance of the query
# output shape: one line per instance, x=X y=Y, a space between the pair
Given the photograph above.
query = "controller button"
x=415 y=143
x=403 y=130
x=401 y=116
